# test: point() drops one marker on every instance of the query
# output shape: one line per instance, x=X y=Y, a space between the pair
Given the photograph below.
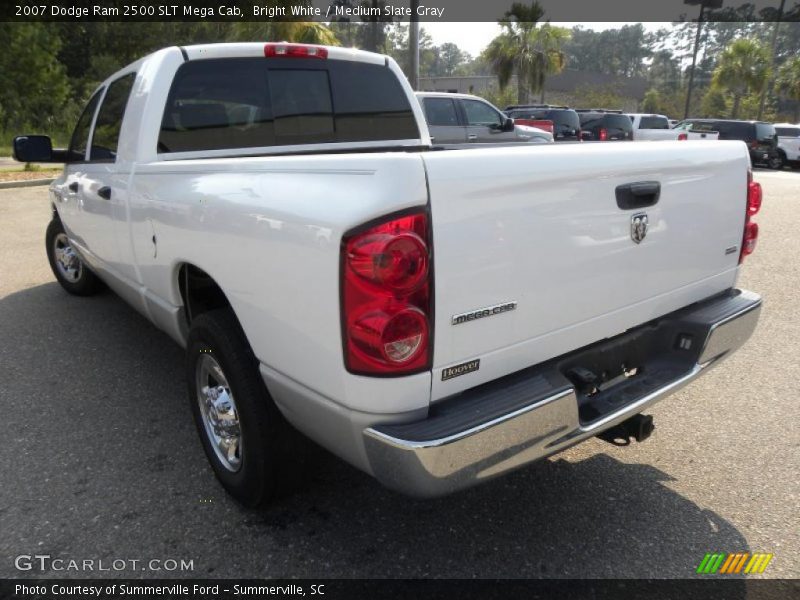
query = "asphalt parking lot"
x=100 y=459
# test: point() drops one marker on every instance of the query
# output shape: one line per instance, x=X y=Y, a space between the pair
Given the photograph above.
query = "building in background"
x=568 y=87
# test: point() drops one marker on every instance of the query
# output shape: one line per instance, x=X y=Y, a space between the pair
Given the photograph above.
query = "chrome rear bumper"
x=526 y=416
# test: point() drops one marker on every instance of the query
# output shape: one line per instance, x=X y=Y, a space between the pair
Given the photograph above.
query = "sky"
x=474 y=37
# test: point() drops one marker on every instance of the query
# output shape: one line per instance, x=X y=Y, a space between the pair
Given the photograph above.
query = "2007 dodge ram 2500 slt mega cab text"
x=436 y=317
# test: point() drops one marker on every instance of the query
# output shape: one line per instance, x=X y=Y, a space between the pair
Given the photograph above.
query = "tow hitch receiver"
x=638 y=427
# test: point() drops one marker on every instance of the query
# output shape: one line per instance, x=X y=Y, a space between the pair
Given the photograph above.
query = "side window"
x=441 y=111
x=109 y=120
x=479 y=113
x=80 y=137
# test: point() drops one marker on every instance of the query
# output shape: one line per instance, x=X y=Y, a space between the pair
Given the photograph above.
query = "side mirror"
x=508 y=124
x=33 y=148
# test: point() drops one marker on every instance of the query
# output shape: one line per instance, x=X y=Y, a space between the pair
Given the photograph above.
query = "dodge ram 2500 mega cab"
x=436 y=317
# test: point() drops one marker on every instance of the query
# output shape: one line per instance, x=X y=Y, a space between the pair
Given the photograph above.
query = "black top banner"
x=394 y=10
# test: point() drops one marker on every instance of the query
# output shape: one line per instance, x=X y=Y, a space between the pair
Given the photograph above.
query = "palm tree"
x=284 y=31
x=305 y=32
x=743 y=68
x=530 y=52
x=788 y=82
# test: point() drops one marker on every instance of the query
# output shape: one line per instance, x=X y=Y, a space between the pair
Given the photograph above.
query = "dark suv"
x=760 y=137
x=566 y=125
x=603 y=125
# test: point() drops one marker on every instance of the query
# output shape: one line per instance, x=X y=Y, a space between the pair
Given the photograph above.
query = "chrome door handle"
x=472 y=136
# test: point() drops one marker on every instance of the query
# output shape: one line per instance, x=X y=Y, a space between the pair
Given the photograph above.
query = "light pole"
x=413 y=45
x=703 y=5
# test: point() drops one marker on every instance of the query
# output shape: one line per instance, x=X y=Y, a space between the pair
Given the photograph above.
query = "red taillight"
x=750 y=236
x=603 y=135
x=294 y=51
x=386 y=297
x=754 y=196
x=398 y=262
x=749 y=240
x=682 y=137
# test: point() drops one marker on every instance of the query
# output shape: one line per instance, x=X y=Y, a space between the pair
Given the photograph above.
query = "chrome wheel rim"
x=218 y=412
x=67 y=261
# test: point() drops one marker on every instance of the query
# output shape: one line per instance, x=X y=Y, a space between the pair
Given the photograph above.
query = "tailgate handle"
x=638 y=195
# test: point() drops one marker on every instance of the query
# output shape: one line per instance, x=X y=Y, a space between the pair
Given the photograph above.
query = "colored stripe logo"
x=730 y=564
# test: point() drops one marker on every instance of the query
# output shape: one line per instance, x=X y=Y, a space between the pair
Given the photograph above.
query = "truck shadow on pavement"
x=109 y=465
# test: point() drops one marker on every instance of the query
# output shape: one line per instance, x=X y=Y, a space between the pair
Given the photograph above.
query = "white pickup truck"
x=650 y=127
x=435 y=317
x=789 y=144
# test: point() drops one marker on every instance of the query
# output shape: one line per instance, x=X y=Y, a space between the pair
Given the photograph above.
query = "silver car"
x=463 y=118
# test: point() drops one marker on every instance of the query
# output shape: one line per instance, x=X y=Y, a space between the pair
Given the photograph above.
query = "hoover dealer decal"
x=462 y=369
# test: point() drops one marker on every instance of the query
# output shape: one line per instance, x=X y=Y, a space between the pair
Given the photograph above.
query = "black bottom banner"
x=413 y=589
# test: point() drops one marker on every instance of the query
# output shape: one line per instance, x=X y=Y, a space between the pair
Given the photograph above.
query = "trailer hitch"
x=639 y=427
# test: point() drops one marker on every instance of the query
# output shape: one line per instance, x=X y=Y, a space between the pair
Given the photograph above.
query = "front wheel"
x=244 y=436
x=70 y=271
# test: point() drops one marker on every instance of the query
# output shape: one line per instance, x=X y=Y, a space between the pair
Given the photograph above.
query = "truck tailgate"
x=541 y=227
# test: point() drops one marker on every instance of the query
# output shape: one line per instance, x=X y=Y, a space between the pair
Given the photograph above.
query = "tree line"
x=51 y=68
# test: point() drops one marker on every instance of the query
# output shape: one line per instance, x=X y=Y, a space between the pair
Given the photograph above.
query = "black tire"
x=78 y=280
x=267 y=440
x=776 y=162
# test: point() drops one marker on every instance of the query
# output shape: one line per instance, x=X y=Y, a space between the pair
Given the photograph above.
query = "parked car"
x=566 y=124
x=463 y=118
x=280 y=211
x=789 y=143
x=760 y=137
x=603 y=125
x=653 y=127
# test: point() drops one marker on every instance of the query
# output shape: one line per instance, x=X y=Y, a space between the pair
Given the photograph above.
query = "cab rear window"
x=788 y=131
x=255 y=102
x=654 y=122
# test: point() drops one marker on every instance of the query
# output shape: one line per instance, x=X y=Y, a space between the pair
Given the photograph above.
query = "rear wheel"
x=70 y=271
x=246 y=439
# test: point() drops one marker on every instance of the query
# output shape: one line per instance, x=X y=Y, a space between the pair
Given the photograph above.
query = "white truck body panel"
x=522 y=228
x=509 y=224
